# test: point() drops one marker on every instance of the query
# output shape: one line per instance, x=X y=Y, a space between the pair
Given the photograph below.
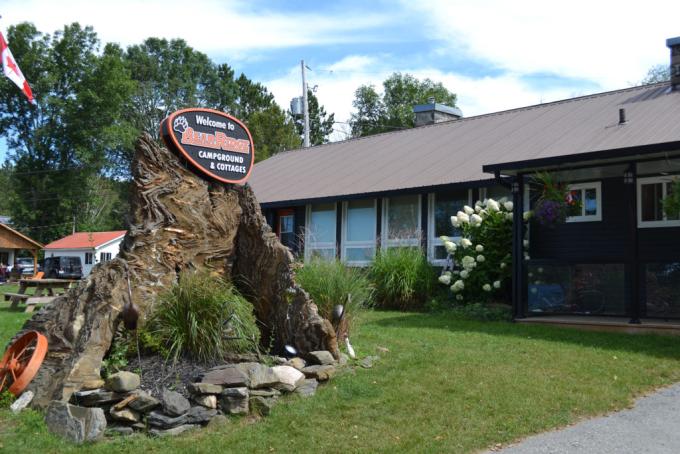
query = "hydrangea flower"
x=444 y=279
x=480 y=258
x=457 y=286
x=462 y=218
x=459 y=297
x=468 y=210
x=479 y=248
x=464 y=274
x=454 y=221
x=509 y=216
x=450 y=246
x=503 y=265
x=486 y=287
x=492 y=205
x=496 y=284
x=475 y=220
x=508 y=206
x=527 y=215
x=465 y=243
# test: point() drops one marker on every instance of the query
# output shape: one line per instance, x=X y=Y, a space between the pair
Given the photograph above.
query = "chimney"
x=431 y=113
x=674 y=45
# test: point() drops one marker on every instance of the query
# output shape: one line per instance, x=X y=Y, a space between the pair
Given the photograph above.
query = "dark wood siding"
x=660 y=244
x=598 y=241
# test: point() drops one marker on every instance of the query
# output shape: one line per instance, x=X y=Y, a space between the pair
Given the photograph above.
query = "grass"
x=446 y=385
x=11 y=320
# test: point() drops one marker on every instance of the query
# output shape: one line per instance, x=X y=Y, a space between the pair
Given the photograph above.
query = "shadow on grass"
x=661 y=346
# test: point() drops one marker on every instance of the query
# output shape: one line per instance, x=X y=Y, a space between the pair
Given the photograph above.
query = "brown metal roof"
x=454 y=152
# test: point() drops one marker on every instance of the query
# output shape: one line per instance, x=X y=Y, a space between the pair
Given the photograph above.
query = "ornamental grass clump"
x=203 y=317
x=330 y=283
x=482 y=256
x=403 y=278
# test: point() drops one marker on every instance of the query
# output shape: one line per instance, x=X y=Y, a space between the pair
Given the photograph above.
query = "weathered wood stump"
x=179 y=221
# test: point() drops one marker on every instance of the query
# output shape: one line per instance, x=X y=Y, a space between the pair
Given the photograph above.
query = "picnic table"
x=41 y=286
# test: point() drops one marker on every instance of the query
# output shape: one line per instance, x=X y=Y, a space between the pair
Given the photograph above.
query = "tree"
x=394 y=109
x=60 y=148
x=273 y=131
x=657 y=73
x=320 y=122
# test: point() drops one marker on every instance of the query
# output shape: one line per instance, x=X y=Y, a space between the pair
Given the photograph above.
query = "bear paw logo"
x=180 y=124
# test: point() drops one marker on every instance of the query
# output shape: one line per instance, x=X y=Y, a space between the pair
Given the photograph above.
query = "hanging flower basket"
x=556 y=203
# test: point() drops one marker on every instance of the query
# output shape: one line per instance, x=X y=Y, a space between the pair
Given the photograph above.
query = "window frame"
x=91 y=256
x=665 y=181
x=597 y=185
x=432 y=240
x=310 y=245
x=105 y=257
x=385 y=241
x=345 y=244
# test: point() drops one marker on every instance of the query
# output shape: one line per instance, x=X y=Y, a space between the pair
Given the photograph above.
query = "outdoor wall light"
x=629 y=176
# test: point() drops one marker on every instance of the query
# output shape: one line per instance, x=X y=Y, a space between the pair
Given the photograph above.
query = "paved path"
x=652 y=426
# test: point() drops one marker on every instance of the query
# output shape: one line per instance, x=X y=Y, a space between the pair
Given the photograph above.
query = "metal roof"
x=456 y=151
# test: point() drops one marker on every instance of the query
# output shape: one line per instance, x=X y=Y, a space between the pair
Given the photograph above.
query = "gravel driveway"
x=651 y=426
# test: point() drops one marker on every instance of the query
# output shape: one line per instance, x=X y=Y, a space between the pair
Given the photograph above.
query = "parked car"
x=23 y=266
x=63 y=267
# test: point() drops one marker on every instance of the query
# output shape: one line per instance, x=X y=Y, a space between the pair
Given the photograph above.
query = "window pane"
x=662 y=289
x=323 y=254
x=445 y=206
x=361 y=220
x=402 y=217
x=651 y=195
x=322 y=225
x=355 y=254
x=590 y=202
x=440 y=253
x=669 y=191
x=286 y=224
x=498 y=192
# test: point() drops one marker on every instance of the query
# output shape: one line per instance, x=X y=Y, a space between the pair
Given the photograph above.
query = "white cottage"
x=91 y=247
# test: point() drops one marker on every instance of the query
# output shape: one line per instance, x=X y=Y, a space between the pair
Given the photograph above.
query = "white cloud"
x=610 y=42
x=209 y=25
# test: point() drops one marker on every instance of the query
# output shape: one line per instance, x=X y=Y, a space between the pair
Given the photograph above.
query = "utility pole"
x=305 y=105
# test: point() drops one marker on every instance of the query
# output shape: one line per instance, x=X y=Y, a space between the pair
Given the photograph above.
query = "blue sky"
x=494 y=54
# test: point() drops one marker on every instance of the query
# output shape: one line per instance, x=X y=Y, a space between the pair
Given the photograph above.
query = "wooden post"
x=34 y=252
x=518 y=302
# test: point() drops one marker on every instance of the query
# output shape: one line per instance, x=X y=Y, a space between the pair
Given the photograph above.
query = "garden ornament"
x=21 y=362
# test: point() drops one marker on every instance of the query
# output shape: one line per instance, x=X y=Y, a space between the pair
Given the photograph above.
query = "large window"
x=286 y=227
x=662 y=289
x=401 y=221
x=650 y=193
x=320 y=231
x=590 y=197
x=495 y=192
x=442 y=206
x=358 y=231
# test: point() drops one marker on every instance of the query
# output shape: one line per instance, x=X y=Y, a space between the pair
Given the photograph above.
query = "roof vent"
x=674 y=45
x=622 y=116
x=429 y=114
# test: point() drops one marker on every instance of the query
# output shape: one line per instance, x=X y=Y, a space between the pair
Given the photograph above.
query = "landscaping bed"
x=445 y=384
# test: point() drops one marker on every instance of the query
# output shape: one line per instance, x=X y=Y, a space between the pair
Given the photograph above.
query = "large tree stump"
x=179 y=221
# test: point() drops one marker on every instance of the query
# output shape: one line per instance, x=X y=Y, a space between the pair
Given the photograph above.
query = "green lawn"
x=446 y=385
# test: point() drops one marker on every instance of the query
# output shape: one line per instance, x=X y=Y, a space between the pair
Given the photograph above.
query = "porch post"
x=630 y=182
x=517 y=247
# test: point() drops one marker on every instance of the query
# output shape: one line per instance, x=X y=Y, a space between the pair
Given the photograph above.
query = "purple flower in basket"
x=549 y=212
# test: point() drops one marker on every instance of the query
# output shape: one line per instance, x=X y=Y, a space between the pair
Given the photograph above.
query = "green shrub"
x=6 y=399
x=204 y=318
x=330 y=283
x=403 y=278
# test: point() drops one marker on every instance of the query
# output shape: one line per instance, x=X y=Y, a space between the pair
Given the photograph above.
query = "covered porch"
x=616 y=264
x=12 y=243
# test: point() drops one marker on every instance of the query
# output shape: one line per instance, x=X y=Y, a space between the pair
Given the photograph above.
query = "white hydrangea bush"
x=482 y=256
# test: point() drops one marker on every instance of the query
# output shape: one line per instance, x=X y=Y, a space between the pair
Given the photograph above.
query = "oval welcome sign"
x=215 y=143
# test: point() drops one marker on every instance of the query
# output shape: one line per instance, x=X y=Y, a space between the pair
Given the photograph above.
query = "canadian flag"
x=11 y=69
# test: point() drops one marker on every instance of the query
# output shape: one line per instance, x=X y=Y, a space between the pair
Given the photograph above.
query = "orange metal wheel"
x=21 y=362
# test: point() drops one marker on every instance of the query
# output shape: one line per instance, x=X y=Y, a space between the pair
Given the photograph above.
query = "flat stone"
x=261 y=405
x=161 y=421
x=279 y=360
x=289 y=378
x=321 y=373
x=123 y=382
x=205 y=388
x=307 y=387
x=200 y=415
x=235 y=401
x=259 y=375
x=144 y=402
x=96 y=397
x=174 y=404
x=265 y=392
x=139 y=426
x=297 y=363
x=218 y=421
x=174 y=431
x=119 y=430
x=22 y=402
x=125 y=415
x=77 y=424
x=93 y=384
x=206 y=400
x=322 y=357
x=368 y=361
x=227 y=376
